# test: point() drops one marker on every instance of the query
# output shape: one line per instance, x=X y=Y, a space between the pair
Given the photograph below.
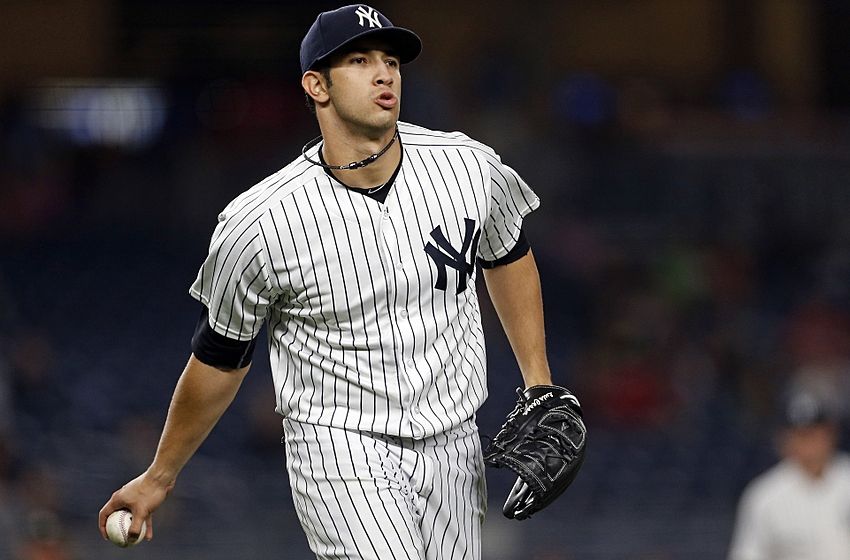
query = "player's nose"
x=383 y=76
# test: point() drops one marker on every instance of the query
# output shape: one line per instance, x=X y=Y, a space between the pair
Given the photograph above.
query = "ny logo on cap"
x=365 y=13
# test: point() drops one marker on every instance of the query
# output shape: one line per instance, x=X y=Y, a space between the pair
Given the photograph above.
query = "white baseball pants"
x=367 y=496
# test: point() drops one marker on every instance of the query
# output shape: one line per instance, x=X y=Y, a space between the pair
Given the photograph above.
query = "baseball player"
x=800 y=508
x=359 y=256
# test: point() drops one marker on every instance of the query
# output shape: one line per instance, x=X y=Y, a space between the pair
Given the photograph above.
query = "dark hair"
x=325 y=71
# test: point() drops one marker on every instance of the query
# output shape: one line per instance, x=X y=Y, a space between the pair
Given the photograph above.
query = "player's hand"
x=142 y=496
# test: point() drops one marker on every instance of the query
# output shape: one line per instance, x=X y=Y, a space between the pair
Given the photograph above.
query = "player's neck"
x=342 y=145
x=814 y=469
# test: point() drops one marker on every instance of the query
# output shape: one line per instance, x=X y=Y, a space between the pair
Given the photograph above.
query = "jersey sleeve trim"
x=519 y=250
x=217 y=350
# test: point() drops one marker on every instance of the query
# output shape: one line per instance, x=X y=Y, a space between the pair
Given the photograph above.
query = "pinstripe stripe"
x=382 y=326
x=306 y=507
x=453 y=519
x=419 y=345
x=396 y=510
x=455 y=329
x=430 y=396
x=359 y=532
x=247 y=203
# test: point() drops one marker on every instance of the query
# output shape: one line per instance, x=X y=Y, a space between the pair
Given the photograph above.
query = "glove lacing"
x=546 y=438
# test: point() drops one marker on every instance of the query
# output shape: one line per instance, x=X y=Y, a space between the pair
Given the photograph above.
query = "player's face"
x=366 y=90
x=811 y=446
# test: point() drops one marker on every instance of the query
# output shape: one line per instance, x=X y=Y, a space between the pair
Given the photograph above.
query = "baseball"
x=118 y=525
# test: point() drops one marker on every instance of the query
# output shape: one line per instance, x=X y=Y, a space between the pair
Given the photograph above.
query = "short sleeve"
x=511 y=199
x=233 y=282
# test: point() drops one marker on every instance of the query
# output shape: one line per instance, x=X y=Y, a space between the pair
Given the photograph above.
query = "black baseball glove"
x=543 y=442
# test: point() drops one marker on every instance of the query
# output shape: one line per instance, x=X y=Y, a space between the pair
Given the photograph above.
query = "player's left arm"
x=516 y=295
x=543 y=439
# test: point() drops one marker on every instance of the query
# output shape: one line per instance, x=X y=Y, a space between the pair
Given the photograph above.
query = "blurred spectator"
x=798 y=509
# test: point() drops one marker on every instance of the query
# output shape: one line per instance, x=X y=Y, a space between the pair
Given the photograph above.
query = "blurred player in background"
x=800 y=508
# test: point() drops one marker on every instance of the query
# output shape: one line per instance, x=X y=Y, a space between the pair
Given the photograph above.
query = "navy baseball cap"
x=335 y=29
x=807 y=408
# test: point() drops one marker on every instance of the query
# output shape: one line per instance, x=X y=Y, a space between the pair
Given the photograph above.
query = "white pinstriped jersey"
x=373 y=318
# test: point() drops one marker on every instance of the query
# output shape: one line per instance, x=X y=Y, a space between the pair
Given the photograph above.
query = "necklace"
x=353 y=164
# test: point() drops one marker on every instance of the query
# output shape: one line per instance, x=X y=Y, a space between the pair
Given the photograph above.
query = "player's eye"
x=358 y=60
x=392 y=63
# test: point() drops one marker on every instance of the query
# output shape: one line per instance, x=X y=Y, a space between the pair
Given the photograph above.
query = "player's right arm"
x=202 y=395
x=235 y=288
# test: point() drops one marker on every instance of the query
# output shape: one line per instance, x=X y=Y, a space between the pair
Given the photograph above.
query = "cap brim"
x=405 y=43
x=820 y=420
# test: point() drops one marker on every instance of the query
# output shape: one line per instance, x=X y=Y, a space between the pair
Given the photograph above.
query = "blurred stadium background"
x=693 y=158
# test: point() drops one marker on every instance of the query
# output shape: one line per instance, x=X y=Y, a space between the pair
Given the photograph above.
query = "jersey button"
x=399 y=266
x=403 y=313
x=410 y=363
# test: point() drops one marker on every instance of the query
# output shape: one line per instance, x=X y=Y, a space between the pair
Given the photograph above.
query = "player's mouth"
x=387 y=100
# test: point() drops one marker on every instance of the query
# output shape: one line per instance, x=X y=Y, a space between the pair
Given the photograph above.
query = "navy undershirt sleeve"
x=217 y=350
x=519 y=250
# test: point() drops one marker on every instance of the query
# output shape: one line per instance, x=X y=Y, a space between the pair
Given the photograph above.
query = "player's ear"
x=315 y=86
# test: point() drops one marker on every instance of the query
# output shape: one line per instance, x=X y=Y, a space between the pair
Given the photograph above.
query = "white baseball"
x=118 y=525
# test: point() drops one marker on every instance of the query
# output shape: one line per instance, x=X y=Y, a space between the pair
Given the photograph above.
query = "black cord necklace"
x=353 y=164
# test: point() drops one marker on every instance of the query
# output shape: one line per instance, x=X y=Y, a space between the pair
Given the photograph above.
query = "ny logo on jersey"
x=445 y=255
x=365 y=13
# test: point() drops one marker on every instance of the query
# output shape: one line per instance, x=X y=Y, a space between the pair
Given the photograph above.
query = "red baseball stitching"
x=124 y=530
